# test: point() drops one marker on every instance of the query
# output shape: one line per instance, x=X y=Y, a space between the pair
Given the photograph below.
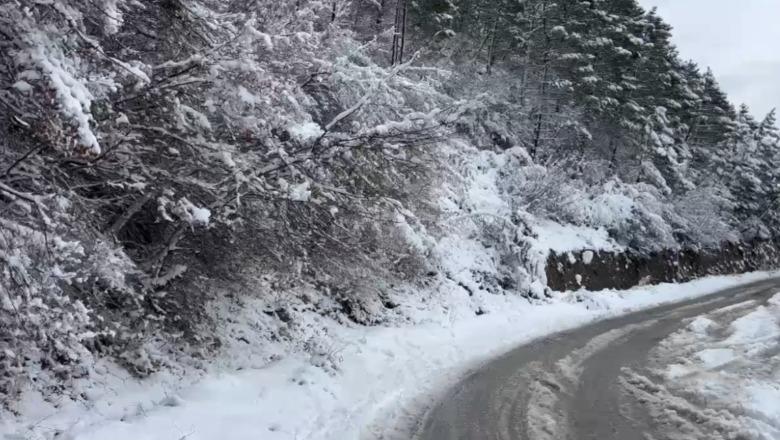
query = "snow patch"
x=587 y=257
x=700 y=325
x=307 y=132
x=300 y=192
x=754 y=328
x=734 y=371
x=200 y=216
x=764 y=399
x=567 y=238
x=22 y=86
x=712 y=358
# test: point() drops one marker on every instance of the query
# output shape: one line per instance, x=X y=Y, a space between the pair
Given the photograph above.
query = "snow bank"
x=380 y=380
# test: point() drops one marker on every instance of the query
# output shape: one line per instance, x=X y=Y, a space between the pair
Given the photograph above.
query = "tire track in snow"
x=568 y=386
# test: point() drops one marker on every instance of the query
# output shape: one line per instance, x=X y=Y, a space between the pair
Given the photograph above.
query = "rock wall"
x=606 y=270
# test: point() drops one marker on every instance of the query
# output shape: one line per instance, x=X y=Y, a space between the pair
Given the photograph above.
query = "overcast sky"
x=738 y=39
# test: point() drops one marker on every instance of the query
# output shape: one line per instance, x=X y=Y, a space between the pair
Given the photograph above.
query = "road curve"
x=567 y=386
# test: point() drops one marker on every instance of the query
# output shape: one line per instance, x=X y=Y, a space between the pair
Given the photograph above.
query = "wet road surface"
x=571 y=386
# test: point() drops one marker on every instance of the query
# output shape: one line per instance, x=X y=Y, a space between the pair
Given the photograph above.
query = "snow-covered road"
x=715 y=375
x=718 y=377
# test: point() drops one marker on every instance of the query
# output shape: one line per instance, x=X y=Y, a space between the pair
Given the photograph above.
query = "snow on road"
x=379 y=381
x=719 y=377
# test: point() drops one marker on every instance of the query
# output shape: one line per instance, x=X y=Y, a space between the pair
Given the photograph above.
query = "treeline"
x=601 y=80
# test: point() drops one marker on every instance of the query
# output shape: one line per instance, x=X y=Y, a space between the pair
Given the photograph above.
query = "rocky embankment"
x=596 y=270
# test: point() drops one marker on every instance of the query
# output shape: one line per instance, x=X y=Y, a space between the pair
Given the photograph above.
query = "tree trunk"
x=399 y=34
x=492 y=46
x=403 y=31
x=613 y=159
x=545 y=78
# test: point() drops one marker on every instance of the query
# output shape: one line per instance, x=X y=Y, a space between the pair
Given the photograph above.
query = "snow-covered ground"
x=719 y=377
x=369 y=383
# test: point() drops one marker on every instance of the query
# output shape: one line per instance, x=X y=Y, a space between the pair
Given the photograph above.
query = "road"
x=572 y=386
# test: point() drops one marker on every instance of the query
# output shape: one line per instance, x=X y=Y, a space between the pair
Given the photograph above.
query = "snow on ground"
x=569 y=238
x=724 y=368
x=366 y=383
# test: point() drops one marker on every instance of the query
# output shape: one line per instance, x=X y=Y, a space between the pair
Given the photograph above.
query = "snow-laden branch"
x=370 y=94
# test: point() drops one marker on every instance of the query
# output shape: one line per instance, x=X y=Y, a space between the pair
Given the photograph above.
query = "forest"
x=157 y=156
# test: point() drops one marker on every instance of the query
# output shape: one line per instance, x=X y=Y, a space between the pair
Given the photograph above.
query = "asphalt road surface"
x=571 y=386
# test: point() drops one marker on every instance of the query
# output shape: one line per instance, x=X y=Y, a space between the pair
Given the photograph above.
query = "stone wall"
x=607 y=270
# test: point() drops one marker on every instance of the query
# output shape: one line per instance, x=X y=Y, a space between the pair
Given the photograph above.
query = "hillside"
x=169 y=165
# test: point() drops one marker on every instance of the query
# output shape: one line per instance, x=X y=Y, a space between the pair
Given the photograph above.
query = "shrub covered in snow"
x=157 y=148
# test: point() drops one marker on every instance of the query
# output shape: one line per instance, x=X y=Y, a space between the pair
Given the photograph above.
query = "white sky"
x=738 y=39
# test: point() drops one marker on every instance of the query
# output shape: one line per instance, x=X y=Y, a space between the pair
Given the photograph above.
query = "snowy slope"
x=373 y=383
